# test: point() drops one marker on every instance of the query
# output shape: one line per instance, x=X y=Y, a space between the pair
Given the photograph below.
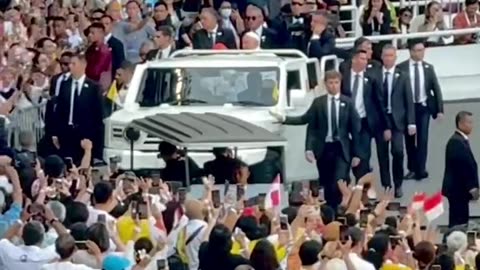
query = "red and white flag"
x=274 y=194
x=433 y=206
x=418 y=201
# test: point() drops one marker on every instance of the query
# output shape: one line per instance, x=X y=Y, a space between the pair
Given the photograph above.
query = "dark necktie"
x=385 y=89
x=333 y=115
x=417 y=83
x=356 y=82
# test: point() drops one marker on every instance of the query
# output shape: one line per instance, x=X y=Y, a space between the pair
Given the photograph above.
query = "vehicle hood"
x=255 y=115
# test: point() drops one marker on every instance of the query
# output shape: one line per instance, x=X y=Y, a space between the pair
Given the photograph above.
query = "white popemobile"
x=241 y=84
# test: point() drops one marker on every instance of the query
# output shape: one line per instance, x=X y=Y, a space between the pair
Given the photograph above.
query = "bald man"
x=212 y=33
x=250 y=41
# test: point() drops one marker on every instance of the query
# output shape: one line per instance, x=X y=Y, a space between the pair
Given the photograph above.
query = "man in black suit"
x=46 y=146
x=79 y=113
x=322 y=39
x=364 y=89
x=118 y=51
x=397 y=98
x=255 y=21
x=427 y=97
x=460 y=179
x=212 y=33
x=363 y=44
x=164 y=41
x=332 y=136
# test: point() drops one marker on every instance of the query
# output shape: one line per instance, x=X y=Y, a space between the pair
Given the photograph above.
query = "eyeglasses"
x=250 y=18
x=297 y=4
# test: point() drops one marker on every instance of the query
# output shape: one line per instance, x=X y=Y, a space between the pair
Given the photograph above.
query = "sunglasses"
x=250 y=18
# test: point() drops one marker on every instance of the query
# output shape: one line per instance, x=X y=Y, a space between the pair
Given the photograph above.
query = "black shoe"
x=409 y=176
x=421 y=176
x=398 y=193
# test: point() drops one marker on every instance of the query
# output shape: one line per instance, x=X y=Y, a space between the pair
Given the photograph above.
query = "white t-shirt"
x=23 y=257
x=65 y=266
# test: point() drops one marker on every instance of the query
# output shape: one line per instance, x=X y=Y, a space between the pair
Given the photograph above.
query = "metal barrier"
x=348 y=42
x=26 y=119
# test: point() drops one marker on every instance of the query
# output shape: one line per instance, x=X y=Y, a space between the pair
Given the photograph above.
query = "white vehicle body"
x=145 y=149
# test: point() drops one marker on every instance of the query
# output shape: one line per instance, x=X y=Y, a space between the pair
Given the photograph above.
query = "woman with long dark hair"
x=263 y=256
x=215 y=254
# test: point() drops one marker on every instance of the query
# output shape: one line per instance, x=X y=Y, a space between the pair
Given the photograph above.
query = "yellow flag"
x=113 y=91
x=275 y=93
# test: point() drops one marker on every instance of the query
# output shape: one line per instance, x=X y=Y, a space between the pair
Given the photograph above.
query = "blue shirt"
x=10 y=217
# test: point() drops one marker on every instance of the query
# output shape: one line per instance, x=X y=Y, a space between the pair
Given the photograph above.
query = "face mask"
x=226 y=12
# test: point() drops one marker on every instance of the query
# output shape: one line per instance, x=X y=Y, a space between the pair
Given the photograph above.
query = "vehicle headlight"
x=131 y=134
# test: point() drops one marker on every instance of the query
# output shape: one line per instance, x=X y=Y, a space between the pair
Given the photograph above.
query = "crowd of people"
x=62 y=207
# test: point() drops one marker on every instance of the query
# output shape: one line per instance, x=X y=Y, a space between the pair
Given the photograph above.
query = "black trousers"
x=395 y=145
x=417 y=145
x=70 y=146
x=332 y=167
x=365 y=148
x=459 y=211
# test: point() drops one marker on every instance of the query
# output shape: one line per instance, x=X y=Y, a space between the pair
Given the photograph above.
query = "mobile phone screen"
x=364 y=218
x=471 y=236
x=102 y=218
x=142 y=210
x=82 y=245
x=393 y=206
x=216 y=198
x=134 y=209
x=314 y=188
x=182 y=195
x=283 y=222
x=69 y=163
x=261 y=201
x=343 y=233
x=240 y=192
x=161 y=264
x=342 y=220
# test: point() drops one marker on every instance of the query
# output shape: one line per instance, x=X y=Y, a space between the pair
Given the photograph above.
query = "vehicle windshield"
x=252 y=86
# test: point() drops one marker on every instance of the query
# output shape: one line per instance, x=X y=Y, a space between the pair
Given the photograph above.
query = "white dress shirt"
x=75 y=93
x=423 y=93
x=107 y=37
x=359 y=263
x=165 y=53
x=213 y=34
x=391 y=73
x=65 y=266
x=61 y=79
x=359 y=104
x=329 y=137
x=259 y=32
x=194 y=246
x=23 y=257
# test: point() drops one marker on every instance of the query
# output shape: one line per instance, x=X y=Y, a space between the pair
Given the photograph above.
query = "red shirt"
x=99 y=60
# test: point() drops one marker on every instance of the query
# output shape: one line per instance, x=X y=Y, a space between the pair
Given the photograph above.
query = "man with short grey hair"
x=28 y=256
x=59 y=211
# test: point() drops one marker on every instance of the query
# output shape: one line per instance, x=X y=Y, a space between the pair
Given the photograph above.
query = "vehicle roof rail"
x=278 y=52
